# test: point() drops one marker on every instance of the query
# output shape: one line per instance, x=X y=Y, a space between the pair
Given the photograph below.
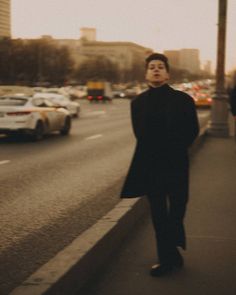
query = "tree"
x=98 y=67
x=31 y=61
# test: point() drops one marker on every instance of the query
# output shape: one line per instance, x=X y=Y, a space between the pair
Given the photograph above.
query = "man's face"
x=156 y=73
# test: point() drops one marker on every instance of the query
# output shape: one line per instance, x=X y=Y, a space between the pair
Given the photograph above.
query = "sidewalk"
x=210 y=259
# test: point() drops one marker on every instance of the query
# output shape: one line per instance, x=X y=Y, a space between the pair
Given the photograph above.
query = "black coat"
x=165 y=124
x=233 y=101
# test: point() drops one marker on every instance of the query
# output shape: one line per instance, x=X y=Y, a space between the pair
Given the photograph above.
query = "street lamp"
x=219 y=113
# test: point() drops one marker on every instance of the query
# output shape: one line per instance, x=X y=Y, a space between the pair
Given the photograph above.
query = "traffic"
x=44 y=110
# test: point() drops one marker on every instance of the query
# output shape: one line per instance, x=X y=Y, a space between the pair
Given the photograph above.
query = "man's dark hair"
x=158 y=56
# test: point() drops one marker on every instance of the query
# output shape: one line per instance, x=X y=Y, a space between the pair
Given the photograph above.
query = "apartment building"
x=5 y=19
x=187 y=59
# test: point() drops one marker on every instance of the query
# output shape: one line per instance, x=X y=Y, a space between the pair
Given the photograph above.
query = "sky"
x=156 y=24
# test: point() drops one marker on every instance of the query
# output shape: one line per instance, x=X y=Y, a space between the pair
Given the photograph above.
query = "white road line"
x=4 y=162
x=95 y=113
x=93 y=136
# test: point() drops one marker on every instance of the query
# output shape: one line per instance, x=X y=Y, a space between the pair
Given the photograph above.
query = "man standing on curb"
x=165 y=124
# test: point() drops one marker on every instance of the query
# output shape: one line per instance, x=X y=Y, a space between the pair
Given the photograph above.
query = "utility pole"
x=219 y=112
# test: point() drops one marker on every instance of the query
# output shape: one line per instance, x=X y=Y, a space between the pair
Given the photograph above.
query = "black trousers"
x=167 y=212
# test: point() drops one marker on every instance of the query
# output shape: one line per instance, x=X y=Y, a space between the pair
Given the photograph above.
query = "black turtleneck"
x=157 y=117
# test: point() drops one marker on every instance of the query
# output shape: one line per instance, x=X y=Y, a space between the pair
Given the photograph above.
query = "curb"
x=72 y=267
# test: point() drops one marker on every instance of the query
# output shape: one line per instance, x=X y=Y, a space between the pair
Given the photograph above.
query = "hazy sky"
x=157 y=24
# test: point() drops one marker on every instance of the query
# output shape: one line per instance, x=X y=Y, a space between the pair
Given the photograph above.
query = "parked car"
x=63 y=100
x=34 y=116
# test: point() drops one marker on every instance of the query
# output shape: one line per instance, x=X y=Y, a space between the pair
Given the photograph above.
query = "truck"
x=99 y=91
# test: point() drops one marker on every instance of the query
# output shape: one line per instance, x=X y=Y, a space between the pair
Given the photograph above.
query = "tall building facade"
x=187 y=59
x=5 y=19
x=173 y=57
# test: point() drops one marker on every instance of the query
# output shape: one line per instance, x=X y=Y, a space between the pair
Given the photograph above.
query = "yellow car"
x=202 y=100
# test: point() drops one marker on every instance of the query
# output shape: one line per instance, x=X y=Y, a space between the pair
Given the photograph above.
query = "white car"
x=35 y=116
x=62 y=100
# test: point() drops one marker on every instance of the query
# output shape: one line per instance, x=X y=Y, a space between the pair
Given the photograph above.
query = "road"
x=53 y=190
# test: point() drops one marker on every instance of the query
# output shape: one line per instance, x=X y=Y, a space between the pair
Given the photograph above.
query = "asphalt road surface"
x=52 y=190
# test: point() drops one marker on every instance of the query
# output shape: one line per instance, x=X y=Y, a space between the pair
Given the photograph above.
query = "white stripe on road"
x=4 y=162
x=95 y=113
x=93 y=136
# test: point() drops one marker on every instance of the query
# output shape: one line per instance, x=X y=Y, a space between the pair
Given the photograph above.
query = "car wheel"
x=38 y=132
x=66 y=127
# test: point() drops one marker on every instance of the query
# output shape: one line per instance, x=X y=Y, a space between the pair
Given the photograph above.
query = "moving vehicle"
x=202 y=100
x=34 y=116
x=63 y=100
x=118 y=94
x=99 y=91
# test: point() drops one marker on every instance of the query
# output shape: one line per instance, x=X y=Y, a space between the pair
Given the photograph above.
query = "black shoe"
x=159 y=270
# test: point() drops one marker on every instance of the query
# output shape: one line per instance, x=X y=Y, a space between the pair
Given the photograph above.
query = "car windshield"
x=13 y=101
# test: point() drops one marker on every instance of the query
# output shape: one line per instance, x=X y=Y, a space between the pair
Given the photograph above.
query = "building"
x=187 y=59
x=123 y=54
x=173 y=57
x=5 y=19
x=88 y=34
x=207 y=67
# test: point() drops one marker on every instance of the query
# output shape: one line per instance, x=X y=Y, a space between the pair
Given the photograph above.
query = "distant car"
x=99 y=91
x=34 y=116
x=132 y=92
x=202 y=100
x=64 y=101
x=118 y=94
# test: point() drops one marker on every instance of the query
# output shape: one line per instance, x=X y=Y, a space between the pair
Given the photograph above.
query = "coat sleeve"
x=191 y=121
x=136 y=118
x=233 y=101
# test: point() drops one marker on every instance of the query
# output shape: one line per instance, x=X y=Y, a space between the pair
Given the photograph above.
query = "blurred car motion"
x=202 y=100
x=63 y=100
x=201 y=91
x=34 y=116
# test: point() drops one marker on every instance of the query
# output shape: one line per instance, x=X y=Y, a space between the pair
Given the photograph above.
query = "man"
x=232 y=100
x=165 y=124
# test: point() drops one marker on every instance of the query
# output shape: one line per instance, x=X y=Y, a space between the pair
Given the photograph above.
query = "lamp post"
x=219 y=113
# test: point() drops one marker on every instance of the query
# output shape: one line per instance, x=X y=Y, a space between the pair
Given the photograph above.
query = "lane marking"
x=4 y=162
x=93 y=136
x=94 y=113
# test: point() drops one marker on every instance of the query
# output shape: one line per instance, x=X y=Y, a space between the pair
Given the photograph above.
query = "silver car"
x=62 y=100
